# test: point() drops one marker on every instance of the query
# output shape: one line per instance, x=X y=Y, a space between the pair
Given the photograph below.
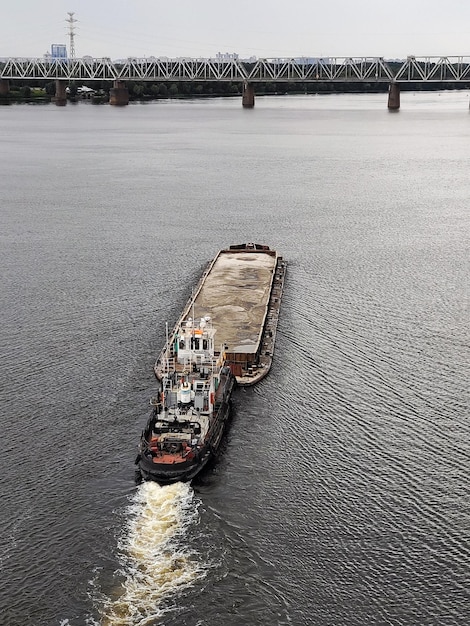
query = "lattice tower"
x=71 y=22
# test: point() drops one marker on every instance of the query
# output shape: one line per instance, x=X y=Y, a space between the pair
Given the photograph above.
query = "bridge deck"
x=451 y=69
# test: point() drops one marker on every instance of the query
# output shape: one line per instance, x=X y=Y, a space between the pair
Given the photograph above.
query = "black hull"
x=166 y=474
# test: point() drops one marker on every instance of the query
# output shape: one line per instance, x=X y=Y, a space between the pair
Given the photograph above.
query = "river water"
x=341 y=496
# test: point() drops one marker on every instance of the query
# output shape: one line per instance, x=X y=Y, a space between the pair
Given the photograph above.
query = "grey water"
x=341 y=495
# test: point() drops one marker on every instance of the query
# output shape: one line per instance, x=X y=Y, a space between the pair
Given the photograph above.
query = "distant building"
x=226 y=57
x=58 y=51
x=310 y=60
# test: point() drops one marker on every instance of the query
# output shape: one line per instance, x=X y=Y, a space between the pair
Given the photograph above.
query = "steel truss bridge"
x=413 y=69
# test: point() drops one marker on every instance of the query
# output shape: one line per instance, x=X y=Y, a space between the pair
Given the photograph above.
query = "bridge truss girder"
x=337 y=69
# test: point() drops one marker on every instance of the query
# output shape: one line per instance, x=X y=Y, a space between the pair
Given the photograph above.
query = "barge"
x=225 y=336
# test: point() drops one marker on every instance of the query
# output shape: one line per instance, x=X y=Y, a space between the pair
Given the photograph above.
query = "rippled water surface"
x=341 y=496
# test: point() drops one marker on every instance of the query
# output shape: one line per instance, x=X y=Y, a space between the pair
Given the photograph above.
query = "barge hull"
x=240 y=291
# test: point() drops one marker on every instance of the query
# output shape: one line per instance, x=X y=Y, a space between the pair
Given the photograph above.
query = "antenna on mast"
x=167 y=349
x=71 y=22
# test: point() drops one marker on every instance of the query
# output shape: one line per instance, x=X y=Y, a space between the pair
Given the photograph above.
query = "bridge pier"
x=4 y=87
x=119 y=94
x=393 y=97
x=60 y=97
x=248 y=95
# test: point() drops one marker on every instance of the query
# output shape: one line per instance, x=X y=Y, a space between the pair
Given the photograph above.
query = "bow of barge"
x=241 y=291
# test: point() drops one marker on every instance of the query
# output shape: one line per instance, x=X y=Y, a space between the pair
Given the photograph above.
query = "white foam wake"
x=157 y=558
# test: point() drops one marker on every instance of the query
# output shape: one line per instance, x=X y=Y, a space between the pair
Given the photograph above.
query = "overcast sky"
x=262 y=28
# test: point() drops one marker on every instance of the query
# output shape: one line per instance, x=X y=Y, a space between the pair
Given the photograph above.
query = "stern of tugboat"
x=169 y=469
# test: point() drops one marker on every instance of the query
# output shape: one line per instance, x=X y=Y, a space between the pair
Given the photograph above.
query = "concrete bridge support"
x=394 y=97
x=60 y=97
x=4 y=87
x=119 y=94
x=248 y=95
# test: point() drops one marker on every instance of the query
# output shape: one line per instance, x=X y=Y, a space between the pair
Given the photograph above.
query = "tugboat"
x=192 y=407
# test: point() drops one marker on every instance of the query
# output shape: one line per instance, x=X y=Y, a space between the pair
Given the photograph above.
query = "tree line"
x=186 y=89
